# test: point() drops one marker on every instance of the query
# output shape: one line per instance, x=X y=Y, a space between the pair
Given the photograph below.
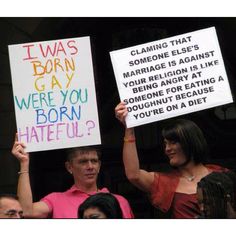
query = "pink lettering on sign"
x=56 y=131
x=48 y=50
x=29 y=57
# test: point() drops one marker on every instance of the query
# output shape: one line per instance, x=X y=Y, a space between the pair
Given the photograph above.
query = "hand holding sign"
x=18 y=150
x=121 y=112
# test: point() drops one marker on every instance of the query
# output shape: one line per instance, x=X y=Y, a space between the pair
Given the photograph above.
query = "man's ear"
x=99 y=166
x=68 y=167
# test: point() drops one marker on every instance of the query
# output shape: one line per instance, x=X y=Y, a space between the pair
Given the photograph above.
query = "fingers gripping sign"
x=18 y=150
x=121 y=112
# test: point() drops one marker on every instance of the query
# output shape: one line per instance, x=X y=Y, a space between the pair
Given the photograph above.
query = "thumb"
x=16 y=137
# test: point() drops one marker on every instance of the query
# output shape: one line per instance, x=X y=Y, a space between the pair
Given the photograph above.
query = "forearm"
x=140 y=178
x=24 y=191
x=130 y=155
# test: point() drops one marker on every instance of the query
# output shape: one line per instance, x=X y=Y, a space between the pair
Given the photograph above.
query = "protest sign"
x=171 y=77
x=54 y=94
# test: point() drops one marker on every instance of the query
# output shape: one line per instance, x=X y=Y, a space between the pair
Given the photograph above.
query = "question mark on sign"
x=90 y=124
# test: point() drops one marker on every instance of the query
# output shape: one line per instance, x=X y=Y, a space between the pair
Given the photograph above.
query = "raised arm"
x=24 y=192
x=140 y=178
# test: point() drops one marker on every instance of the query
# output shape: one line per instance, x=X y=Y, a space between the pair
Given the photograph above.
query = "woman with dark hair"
x=232 y=175
x=216 y=195
x=186 y=150
x=100 y=206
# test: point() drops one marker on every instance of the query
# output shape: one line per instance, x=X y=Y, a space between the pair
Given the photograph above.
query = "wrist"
x=23 y=172
x=129 y=139
x=24 y=166
x=129 y=136
x=129 y=132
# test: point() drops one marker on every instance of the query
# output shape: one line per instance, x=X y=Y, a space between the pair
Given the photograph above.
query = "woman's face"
x=94 y=213
x=174 y=152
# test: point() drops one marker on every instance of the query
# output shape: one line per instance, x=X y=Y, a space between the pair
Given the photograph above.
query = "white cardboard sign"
x=171 y=77
x=54 y=94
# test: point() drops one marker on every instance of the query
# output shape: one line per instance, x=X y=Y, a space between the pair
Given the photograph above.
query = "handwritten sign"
x=54 y=94
x=171 y=77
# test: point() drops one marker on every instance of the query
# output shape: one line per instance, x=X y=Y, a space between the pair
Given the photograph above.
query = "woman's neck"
x=193 y=171
x=191 y=168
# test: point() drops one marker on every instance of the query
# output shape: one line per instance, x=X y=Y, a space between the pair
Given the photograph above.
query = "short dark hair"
x=190 y=137
x=71 y=153
x=105 y=202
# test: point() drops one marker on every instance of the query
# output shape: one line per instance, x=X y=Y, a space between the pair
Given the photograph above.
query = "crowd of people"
x=192 y=189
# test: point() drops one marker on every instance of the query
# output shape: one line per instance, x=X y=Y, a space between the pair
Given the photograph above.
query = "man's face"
x=10 y=208
x=85 y=167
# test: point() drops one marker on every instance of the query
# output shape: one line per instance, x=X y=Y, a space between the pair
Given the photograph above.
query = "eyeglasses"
x=13 y=214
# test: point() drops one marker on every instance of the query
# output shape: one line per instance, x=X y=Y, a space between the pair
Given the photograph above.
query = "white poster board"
x=171 y=77
x=54 y=94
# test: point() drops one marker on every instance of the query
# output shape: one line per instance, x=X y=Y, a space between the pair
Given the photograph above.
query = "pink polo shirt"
x=65 y=204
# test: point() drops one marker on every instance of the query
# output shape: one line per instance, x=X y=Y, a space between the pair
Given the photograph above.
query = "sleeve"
x=216 y=168
x=163 y=189
x=49 y=199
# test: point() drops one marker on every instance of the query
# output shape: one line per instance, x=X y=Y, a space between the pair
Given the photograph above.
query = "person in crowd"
x=10 y=207
x=100 y=206
x=216 y=196
x=232 y=175
x=84 y=164
x=186 y=149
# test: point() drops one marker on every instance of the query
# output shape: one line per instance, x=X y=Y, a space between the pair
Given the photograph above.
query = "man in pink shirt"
x=84 y=164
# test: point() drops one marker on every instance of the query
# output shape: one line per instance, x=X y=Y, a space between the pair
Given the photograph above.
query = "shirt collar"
x=75 y=189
